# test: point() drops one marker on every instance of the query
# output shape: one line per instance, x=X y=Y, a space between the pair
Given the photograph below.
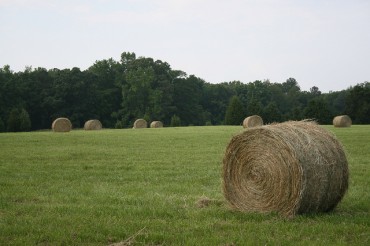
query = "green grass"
x=140 y=187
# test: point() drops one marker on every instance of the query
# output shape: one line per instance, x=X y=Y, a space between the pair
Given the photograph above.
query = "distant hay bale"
x=156 y=124
x=140 y=123
x=93 y=125
x=342 y=121
x=291 y=168
x=61 y=125
x=252 y=121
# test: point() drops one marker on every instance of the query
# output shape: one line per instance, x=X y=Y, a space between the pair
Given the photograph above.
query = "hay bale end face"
x=156 y=124
x=252 y=121
x=140 y=123
x=290 y=168
x=61 y=125
x=93 y=125
x=342 y=121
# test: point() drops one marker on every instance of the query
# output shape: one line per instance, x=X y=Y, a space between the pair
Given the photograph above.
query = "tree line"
x=119 y=92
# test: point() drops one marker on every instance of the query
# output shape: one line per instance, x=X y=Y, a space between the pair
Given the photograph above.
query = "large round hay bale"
x=252 y=121
x=140 y=123
x=61 y=125
x=342 y=121
x=289 y=168
x=93 y=125
x=156 y=124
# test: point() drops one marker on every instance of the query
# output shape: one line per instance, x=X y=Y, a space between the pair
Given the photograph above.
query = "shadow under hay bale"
x=290 y=168
x=156 y=124
x=252 y=121
x=342 y=121
x=140 y=123
x=93 y=125
x=61 y=125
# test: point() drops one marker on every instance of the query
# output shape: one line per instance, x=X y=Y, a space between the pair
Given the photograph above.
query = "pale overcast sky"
x=323 y=43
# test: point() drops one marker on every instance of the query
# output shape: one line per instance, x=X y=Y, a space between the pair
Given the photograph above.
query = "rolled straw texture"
x=156 y=124
x=93 y=125
x=61 y=125
x=140 y=123
x=252 y=121
x=290 y=168
x=342 y=121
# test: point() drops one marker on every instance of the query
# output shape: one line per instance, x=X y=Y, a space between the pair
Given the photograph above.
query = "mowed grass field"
x=141 y=187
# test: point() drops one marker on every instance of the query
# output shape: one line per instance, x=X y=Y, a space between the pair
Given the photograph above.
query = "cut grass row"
x=142 y=186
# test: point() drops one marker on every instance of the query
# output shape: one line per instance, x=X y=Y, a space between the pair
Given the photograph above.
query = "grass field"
x=141 y=187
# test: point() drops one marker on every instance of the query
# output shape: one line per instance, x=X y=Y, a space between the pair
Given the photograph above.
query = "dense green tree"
x=314 y=90
x=336 y=101
x=215 y=100
x=104 y=79
x=297 y=113
x=2 y=125
x=119 y=92
x=254 y=107
x=271 y=113
x=25 y=121
x=235 y=113
x=358 y=103
x=187 y=100
x=175 y=121
x=147 y=89
x=19 y=120
x=317 y=109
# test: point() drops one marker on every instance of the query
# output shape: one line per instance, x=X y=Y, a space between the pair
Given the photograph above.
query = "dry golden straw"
x=156 y=124
x=291 y=168
x=93 y=125
x=252 y=121
x=140 y=123
x=61 y=125
x=342 y=121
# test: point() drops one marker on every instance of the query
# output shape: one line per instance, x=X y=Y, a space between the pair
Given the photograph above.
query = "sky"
x=323 y=43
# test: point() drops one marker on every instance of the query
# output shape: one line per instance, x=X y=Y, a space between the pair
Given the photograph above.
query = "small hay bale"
x=140 y=123
x=61 y=125
x=291 y=168
x=252 y=121
x=342 y=121
x=156 y=124
x=93 y=125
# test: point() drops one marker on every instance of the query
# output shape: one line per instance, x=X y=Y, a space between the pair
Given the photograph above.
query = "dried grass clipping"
x=291 y=168
x=61 y=125
x=342 y=121
x=156 y=124
x=252 y=121
x=93 y=125
x=140 y=123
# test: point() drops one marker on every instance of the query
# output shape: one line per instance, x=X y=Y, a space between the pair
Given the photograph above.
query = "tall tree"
x=235 y=113
x=215 y=100
x=358 y=103
x=187 y=100
x=318 y=109
x=104 y=76
x=19 y=120
x=147 y=89
x=271 y=113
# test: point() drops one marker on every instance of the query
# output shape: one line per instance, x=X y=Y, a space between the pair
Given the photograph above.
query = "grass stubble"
x=155 y=187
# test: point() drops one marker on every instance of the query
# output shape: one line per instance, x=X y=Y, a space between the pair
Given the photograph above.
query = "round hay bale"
x=93 y=125
x=140 y=123
x=342 y=121
x=290 y=168
x=61 y=125
x=156 y=124
x=252 y=121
